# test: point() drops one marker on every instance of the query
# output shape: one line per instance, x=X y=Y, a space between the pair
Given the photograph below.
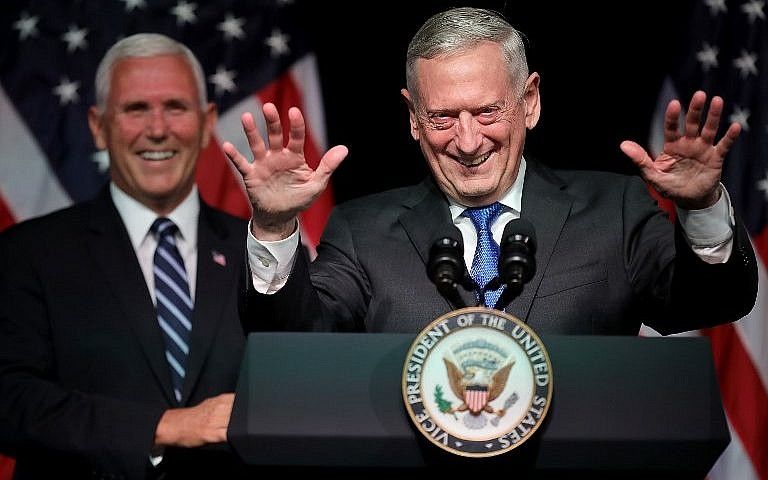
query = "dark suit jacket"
x=607 y=258
x=83 y=376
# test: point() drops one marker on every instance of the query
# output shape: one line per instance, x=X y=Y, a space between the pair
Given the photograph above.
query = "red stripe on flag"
x=284 y=93
x=664 y=203
x=217 y=183
x=6 y=219
x=316 y=216
x=6 y=467
x=744 y=396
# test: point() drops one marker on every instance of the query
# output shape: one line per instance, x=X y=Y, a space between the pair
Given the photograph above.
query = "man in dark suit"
x=607 y=258
x=119 y=339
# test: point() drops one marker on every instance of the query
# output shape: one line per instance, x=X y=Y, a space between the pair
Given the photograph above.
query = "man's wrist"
x=271 y=232
x=703 y=203
x=165 y=431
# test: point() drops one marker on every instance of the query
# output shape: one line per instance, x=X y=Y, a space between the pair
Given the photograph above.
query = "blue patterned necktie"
x=174 y=303
x=485 y=263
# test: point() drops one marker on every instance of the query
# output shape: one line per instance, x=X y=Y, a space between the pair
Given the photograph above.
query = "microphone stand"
x=450 y=290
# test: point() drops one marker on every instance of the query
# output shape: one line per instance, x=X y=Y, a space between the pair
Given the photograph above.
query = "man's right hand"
x=279 y=182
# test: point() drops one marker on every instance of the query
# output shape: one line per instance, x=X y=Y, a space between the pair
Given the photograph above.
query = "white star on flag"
x=131 y=5
x=278 y=43
x=75 y=38
x=716 y=6
x=740 y=116
x=223 y=80
x=754 y=9
x=707 y=56
x=184 y=12
x=67 y=91
x=746 y=64
x=26 y=25
x=232 y=27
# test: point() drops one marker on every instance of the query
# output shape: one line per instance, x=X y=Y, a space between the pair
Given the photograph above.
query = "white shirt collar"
x=512 y=200
x=138 y=218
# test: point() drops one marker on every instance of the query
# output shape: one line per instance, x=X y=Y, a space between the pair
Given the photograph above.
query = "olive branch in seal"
x=443 y=404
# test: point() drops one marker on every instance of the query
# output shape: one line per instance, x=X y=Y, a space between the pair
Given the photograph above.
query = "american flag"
x=727 y=54
x=252 y=52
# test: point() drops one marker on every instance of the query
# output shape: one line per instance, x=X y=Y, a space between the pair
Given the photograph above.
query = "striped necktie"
x=174 y=303
x=485 y=263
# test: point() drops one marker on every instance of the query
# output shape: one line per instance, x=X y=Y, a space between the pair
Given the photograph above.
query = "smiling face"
x=470 y=122
x=154 y=129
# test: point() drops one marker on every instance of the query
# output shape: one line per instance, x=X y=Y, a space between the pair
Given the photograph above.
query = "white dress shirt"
x=709 y=232
x=138 y=218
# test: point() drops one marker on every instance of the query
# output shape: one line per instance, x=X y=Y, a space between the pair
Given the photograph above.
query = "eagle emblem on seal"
x=479 y=378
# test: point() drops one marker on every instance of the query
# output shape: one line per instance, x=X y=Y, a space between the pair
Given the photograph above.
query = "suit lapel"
x=427 y=218
x=216 y=279
x=546 y=206
x=111 y=248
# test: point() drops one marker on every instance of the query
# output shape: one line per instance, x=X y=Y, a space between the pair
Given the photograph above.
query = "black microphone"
x=517 y=260
x=446 y=268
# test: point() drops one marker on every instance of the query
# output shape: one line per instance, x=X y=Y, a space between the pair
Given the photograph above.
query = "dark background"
x=601 y=68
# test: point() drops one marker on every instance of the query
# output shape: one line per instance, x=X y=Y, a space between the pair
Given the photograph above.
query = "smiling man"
x=119 y=339
x=608 y=259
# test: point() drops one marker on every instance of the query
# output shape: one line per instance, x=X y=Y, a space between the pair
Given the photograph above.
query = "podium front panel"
x=621 y=404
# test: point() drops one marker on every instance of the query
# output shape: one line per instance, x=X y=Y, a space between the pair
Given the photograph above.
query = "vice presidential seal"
x=477 y=382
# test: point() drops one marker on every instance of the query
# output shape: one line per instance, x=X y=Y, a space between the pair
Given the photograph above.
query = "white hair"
x=145 y=45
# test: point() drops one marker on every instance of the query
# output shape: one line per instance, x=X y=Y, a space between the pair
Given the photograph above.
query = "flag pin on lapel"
x=219 y=258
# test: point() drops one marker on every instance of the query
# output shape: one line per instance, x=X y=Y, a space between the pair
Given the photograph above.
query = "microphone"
x=517 y=260
x=446 y=268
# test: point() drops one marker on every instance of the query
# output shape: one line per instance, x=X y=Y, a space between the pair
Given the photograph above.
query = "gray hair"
x=145 y=45
x=460 y=29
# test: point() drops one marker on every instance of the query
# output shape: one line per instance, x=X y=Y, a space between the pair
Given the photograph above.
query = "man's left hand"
x=688 y=170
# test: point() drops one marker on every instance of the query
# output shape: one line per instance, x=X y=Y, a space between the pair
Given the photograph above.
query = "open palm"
x=688 y=170
x=279 y=182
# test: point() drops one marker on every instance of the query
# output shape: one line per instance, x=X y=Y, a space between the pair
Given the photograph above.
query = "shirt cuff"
x=156 y=456
x=271 y=262
x=709 y=231
x=155 y=460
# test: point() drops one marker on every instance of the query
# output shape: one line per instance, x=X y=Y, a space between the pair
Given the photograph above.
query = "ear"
x=415 y=133
x=95 y=123
x=532 y=101
x=211 y=114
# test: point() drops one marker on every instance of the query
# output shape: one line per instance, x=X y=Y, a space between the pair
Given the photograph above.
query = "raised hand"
x=279 y=182
x=688 y=170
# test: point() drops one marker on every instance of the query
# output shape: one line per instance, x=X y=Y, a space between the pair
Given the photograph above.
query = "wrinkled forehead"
x=168 y=76
x=468 y=79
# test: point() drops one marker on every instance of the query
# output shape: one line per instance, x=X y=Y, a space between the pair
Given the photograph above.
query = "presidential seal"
x=477 y=382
